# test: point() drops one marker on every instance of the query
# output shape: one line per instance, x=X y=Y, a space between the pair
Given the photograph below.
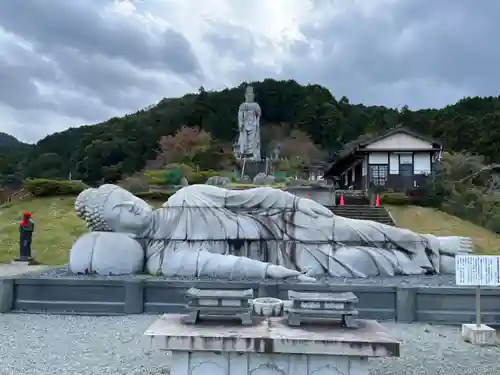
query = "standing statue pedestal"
x=270 y=347
x=252 y=168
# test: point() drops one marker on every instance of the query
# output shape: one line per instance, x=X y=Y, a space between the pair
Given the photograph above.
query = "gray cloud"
x=65 y=63
x=17 y=63
x=96 y=64
x=439 y=45
x=230 y=39
x=83 y=25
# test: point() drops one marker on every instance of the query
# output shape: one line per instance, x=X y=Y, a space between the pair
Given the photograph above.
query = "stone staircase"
x=364 y=212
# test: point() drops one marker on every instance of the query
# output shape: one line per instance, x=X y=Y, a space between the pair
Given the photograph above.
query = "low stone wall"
x=116 y=296
x=322 y=195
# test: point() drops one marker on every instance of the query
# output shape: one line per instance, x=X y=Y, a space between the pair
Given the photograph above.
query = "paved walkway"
x=9 y=270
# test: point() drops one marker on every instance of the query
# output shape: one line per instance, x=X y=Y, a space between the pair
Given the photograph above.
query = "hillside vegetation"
x=194 y=133
x=13 y=155
x=57 y=227
x=122 y=146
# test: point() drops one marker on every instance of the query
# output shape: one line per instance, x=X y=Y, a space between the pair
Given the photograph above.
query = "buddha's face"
x=249 y=97
x=124 y=212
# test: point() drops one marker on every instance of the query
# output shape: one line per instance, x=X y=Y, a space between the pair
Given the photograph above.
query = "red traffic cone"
x=341 y=200
x=377 y=200
x=307 y=195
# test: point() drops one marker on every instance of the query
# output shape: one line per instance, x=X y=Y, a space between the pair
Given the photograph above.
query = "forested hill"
x=8 y=142
x=121 y=146
x=12 y=154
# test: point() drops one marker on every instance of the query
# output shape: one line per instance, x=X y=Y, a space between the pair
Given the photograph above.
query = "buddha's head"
x=111 y=208
x=249 y=95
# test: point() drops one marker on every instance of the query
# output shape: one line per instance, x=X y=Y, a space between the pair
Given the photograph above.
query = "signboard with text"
x=477 y=270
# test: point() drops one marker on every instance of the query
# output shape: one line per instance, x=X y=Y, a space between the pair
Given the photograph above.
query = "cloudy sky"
x=72 y=62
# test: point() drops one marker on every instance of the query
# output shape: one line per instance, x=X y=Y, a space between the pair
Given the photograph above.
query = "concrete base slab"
x=18 y=268
x=23 y=262
x=7 y=284
x=479 y=335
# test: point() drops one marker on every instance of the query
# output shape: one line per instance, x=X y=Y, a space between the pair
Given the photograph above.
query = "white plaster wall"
x=377 y=158
x=394 y=163
x=400 y=141
x=422 y=163
x=209 y=363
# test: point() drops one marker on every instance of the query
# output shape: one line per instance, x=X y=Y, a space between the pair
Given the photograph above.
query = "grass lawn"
x=428 y=220
x=56 y=228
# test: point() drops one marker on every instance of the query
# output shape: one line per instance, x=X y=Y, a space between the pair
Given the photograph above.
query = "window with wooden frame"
x=378 y=174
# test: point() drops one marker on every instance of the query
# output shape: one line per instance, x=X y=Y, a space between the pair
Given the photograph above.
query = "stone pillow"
x=106 y=253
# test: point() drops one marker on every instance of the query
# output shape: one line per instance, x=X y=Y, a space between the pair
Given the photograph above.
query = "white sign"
x=477 y=270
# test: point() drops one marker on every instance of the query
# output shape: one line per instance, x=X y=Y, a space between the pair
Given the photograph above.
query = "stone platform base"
x=6 y=295
x=270 y=347
x=482 y=335
x=23 y=262
x=210 y=363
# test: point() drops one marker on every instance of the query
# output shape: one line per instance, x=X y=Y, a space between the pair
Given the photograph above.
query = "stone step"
x=361 y=206
x=366 y=209
x=382 y=220
x=340 y=208
x=360 y=213
x=379 y=214
x=352 y=212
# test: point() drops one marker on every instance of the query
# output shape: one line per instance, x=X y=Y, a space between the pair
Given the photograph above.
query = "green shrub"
x=280 y=177
x=155 y=195
x=46 y=188
x=398 y=199
x=493 y=223
x=169 y=175
x=135 y=183
x=201 y=177
x=173 y=176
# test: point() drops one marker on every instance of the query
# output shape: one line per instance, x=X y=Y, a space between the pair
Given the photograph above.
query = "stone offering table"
x=329 y=307
x=270 y=348
x=224 y=303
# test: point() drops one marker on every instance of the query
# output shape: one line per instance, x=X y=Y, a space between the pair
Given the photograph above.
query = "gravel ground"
x=74 y=345
x=418 y=280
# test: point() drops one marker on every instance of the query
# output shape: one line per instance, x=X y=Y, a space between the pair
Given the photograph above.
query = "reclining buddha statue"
x=207 y=231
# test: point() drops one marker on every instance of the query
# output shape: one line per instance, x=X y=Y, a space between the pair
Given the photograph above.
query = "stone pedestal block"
x=203 y=363
x=479 y=335
x=270 y=347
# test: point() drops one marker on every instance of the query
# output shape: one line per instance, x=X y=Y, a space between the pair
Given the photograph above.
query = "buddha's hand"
x=280 y=272
x=313 y=209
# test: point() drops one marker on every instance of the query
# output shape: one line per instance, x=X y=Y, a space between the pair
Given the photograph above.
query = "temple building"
x=399 y=159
